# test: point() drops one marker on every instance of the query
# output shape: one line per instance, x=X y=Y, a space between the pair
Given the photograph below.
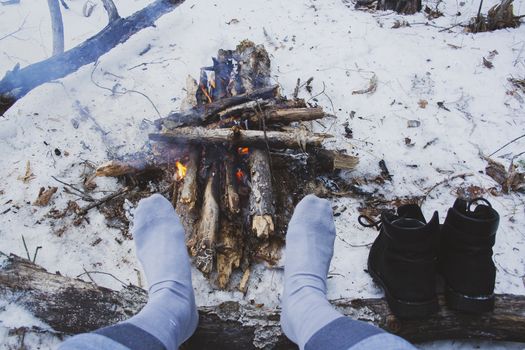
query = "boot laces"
x=475 y=201
x=369 y=222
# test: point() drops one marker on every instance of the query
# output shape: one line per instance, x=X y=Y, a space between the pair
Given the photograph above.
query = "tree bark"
x=57 y=26
x=17 y=83
x=111 y=9
x=275 y=139
x=73 y=306
x=261 y=195
x=202 y=244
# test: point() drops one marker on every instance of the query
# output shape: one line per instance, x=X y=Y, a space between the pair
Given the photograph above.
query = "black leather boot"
x=465 y=258
x=403 y=261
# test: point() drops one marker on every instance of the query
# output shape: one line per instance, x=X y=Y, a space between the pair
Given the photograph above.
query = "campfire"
x=241 y=157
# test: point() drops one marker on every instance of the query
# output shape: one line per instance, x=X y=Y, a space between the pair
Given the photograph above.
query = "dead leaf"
x=413 y=123
x=399 y=24
x=509 y=179
x=422 y=104
x=372 y=87
x=470 y=192
x=28 y=176
x=487 y=63
x=44 y=196
x=233 y=21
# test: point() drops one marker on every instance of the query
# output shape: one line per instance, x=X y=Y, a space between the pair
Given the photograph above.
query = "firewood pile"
x=243 y=156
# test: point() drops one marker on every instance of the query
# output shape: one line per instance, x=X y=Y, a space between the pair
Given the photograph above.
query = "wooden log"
x=115 y=168
x=290 y=115
x=18 y=82
x=202 y=246
x=188 y=194
x=330 y=160
x=232 y=200
x=73 y=306
x=230 y=248
x=275 y=139
x=205 y=113
x=262 y=208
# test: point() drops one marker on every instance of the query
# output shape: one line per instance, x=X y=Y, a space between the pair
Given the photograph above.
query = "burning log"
x=261 y=195
x=73 y=306
x=205 y=113
x=274 y=139
x=202 y=244
x=188 y=194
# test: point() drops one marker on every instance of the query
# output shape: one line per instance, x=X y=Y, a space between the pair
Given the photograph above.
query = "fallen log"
x=73 y=306
x=18 y=82
x=261 y=195
x=205 y=113
x=275 y=139
x=406 y=7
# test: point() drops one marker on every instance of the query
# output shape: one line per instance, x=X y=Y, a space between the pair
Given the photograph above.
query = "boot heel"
x=470 y=304
x=405 y=309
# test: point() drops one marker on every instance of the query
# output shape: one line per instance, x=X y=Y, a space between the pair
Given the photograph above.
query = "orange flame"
x=243 y=151
x=181 y=170
x=205 y=91
x=239 y=174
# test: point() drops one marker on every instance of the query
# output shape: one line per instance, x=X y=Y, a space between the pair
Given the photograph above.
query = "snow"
x=342 y=48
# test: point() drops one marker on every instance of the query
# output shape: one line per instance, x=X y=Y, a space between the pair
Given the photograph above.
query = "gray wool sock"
x=309 y=250
x=170 y=314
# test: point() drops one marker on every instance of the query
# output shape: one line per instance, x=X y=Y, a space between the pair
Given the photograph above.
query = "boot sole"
x=405 y=309
x=467 y=303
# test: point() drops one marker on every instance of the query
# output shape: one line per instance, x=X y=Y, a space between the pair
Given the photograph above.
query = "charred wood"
x=73 y=306
x=261 y=196
x=205 y=113
x=407 y=7
x=188 y=194
x=202 y=244
x=274 y=139
x=18 y=82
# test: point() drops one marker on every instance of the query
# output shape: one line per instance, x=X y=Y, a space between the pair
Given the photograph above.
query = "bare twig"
x=101 y=273
x=36 y=253
x=114 y=91
x=97 y=203
x=83 y=194
x=87 y=274
x=25 y=246
x=442 y=182
x=111 y=9
x=505 y=145
x=15 y=31
x=57 y=26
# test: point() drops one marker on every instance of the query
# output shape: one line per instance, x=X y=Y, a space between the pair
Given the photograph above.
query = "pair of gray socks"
x=170 y=316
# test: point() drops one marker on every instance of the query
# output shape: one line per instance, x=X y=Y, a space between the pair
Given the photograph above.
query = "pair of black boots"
x=409 y=252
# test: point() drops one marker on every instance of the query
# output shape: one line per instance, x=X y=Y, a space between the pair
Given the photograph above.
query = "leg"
x=170 y=315
x=307 y=317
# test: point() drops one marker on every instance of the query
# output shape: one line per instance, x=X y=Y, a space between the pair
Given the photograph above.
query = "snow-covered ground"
x=342 y=48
